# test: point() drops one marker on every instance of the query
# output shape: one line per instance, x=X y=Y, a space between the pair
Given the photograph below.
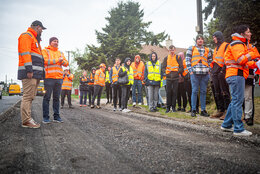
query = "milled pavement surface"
x=103 y=141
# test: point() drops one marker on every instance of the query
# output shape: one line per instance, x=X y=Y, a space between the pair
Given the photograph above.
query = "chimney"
x=168 y=42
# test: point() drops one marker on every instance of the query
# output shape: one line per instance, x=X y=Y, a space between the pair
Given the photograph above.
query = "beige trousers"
x=29 y=92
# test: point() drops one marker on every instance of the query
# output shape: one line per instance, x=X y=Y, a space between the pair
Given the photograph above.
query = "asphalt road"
x=103 y=141
x=8 y=101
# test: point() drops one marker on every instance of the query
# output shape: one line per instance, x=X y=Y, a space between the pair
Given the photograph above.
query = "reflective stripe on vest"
x=172 y=64
x=107 y=77
x=154 y=72
x=130 y=75
x=101 y=78
x=115 y=74
x=185 y=72
x=196 y=57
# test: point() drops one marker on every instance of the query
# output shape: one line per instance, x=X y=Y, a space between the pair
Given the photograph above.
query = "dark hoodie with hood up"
x=216 y=68
x=122 y=73
x=146 y=80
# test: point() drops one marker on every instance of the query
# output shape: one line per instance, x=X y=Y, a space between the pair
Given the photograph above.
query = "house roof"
x=162 y=52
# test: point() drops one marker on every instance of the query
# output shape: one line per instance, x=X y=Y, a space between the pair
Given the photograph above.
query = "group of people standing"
x=231 y=68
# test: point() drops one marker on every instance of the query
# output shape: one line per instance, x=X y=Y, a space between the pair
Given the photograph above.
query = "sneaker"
x=85 y=105
x=193 y=113
x=204 y=113
x=98 y=107
x=120 y=109
x=58 y=120
x=125 y=110
x=92 y=106
x=139 y=104
x=80 y=105
x=134 y=103
x=243 y=133
x=46 y=121
x=249 y=121
x=128 y=110
x=167 y=110
x=114 y=109
x=31 y=124
x=227 y=129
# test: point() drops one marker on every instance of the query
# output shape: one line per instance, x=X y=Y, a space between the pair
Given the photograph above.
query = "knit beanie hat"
x=52 y=39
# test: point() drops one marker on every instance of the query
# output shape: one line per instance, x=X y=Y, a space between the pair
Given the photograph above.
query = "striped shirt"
x=199 y=68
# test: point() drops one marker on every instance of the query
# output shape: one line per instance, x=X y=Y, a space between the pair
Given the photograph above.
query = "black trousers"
x=116 y=95
x=97 y=93
x=67 y=93
x=90 y=93
x=125 y=95
x=171 y=93
x=109 y=92
x=181 y=95
x=221 y=90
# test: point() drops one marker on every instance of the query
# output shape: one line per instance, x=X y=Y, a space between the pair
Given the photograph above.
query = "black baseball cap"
x=36 y=23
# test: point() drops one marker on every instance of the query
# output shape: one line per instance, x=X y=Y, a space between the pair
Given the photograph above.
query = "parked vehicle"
x=1 y=91
x=14 y=89
x=40 y=89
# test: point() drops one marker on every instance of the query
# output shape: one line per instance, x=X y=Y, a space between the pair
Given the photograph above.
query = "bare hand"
x=30 y=75
x=191 y=73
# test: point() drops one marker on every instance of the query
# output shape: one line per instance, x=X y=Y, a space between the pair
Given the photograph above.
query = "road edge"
x=9 y=112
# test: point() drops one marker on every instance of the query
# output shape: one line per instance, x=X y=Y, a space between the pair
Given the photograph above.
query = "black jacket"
x=83 y=84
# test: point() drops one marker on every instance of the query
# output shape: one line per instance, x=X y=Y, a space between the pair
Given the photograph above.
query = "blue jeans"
x=83 y=94
x=234 y=111
x=52 y=86
x=137 y=84
x=196 y=82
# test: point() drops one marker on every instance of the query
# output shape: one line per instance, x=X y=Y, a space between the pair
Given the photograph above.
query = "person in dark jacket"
x=126 y=70
x=83 y=87
x=152 y=78
x=172 y=66
x=91 y=84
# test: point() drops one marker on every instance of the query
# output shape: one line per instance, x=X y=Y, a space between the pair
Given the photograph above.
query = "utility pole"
x=68 y=56
x=199 y=27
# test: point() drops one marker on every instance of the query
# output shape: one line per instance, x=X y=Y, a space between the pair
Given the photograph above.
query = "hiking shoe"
x=243 y=133
x=58 y=120
x=227 y=129
x=217 y=115
x=92 y=106
x=31 y=124
x=193 y=113
x=46 y=121
x=204 y=113
x=249 y=121
x=134 y=103
x=98 y=107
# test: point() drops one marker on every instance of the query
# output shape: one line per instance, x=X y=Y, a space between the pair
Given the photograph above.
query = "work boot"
x=204 y=113
x=193 y=113
x=223 y=116
x=217 y=115
x=249 y=121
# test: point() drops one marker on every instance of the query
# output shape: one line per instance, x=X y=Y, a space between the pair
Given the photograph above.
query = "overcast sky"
x=74 y=23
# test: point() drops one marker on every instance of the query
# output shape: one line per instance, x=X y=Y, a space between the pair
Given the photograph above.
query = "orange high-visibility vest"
x=30 y=56
x=53 y=68
x=100 y=78
x=218 y=56
x=138 y=71
x=115 y=74
x=172 y=64
x=196 y=57
x=67 y=82
x=185 y=72
x=91 y=77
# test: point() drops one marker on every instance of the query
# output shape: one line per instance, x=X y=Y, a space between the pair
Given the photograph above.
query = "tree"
x=235 y=12
x=124 y=34
x=210 y=29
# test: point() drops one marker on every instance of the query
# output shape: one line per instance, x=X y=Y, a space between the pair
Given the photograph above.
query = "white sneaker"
x=114 y=109
x=120 y=109
x=139 y=104
x=227 y=129
x=134 y=103
x=126 y=110
x=243 y=133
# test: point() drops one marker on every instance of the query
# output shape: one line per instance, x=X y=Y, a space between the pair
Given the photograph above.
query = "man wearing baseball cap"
x=30 y=69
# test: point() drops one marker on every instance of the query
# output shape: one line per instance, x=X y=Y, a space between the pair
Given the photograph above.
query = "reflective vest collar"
x=32 y=31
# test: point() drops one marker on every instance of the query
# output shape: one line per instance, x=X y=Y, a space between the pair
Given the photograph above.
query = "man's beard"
x=38 y=38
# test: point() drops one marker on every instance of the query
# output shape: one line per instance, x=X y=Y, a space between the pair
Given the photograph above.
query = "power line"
x=157 y=8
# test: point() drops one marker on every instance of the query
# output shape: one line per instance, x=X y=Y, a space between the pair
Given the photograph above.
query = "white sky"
x=74 y=23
